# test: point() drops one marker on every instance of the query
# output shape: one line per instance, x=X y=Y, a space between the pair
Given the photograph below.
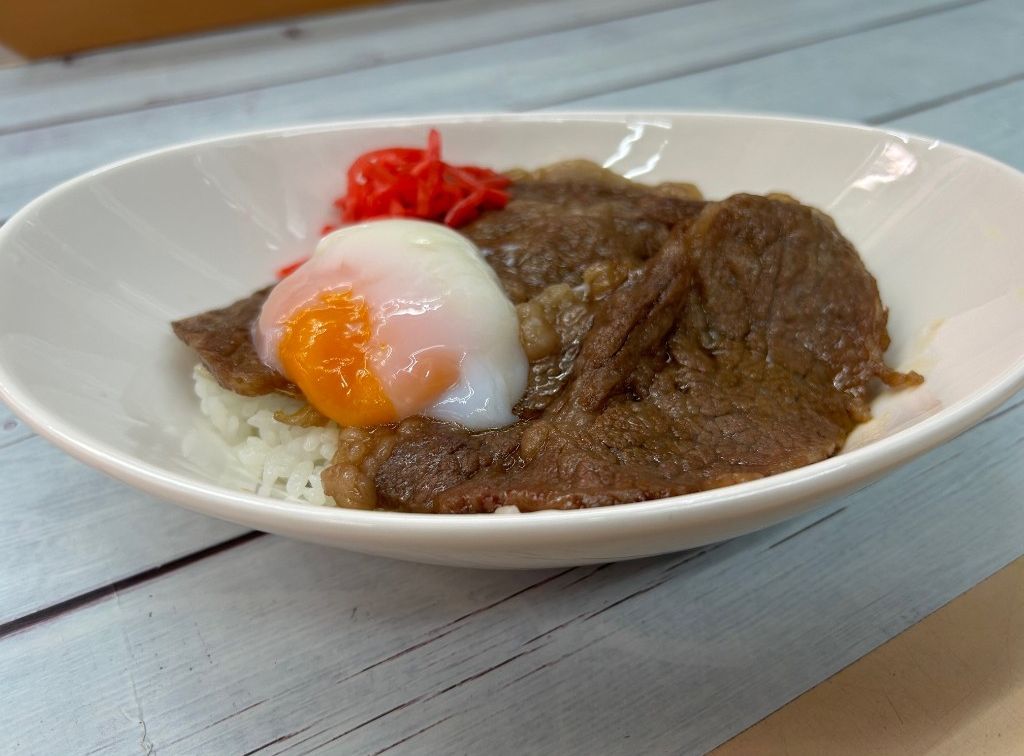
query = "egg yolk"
x=325 y=350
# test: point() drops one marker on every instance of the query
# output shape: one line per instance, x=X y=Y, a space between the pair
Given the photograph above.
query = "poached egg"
x=394 y=318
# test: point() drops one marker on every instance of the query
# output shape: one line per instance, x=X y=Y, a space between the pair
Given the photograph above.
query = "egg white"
x=425 y=286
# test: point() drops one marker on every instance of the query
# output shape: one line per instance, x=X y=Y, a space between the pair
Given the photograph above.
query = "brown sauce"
x=675 y=345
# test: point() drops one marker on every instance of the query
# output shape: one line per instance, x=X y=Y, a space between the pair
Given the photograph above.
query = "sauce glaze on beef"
x=676 y=345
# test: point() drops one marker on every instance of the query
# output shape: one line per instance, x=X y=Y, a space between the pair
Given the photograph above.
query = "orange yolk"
x=325 y=350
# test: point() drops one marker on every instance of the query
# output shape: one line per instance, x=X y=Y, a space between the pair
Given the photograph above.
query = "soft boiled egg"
x=395 y=318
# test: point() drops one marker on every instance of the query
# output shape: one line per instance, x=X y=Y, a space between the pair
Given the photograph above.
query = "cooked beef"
x=223 y=340
x=675 y=346
x=745 y=348
x=566 y=217
x=552 y=325
x=576 y=185
x=579 y=214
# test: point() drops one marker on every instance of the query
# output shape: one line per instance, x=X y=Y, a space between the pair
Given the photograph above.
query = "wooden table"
x=129 y=625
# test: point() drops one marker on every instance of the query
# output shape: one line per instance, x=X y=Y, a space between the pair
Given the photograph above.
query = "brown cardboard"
x=952 y=684
x=44 y=28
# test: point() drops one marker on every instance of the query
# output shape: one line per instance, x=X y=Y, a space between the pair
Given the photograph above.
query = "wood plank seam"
x=407 y=738
x=938 y=102
x=425 y=697
x=450 y=627
x=944 y=101
x=867 y=26
x=948 y=685
x=614 y=576
x=431 y=636
x=538 y=104
x=1010 y=406
x=805 y=528
x=233 y=110
x=69 y=605
x=16 y=440
x=216 y=722
x=89 y=597
x=214 y=94
x=875 y=120
x=558 y=660
x=418 y=699
x=532 y=661
x=276 y=741
x=430 y=696
x=690 y=556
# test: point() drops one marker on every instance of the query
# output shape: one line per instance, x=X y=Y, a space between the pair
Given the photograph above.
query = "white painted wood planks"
x=204 y=66
x=522 y=74
x=762 y=631
x=296 y=646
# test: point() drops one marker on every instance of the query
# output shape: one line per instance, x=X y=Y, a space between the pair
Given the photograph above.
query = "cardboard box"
x=44 y=28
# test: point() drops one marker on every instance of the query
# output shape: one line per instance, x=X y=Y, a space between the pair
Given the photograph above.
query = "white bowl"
x=92 y=273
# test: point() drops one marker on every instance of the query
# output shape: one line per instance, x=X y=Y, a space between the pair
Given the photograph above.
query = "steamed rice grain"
x=277 y=459
x=285 y=461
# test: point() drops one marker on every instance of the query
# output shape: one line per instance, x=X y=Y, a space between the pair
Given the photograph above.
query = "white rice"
x=277 y=459
x=268 y=457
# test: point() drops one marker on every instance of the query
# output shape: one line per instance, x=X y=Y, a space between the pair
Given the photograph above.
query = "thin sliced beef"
x=576 y=185
x=223 y=340
x=571 y=216
x=551 y=327
x=745 y=348
x=564 y=218
x=710 y=343
x=629 y=323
